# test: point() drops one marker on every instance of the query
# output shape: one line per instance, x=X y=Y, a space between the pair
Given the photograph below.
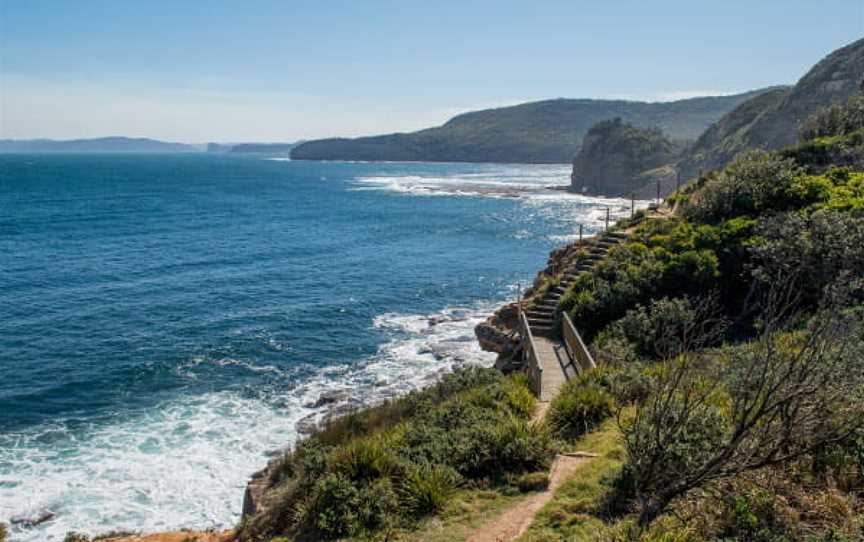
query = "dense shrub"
x=532 y=481
x=426 y=488
x=579 y=406
x=835 y=120
x=474 y=424
x=755 y=182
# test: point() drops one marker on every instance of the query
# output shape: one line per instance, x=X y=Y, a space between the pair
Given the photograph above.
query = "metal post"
x=607 y=218
x=580 y=233
x=632 y=205
x=658 y=191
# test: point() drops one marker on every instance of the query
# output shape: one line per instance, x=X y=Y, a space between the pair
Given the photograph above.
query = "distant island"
x=119 y=144
x=548 y=131
x=101 y=144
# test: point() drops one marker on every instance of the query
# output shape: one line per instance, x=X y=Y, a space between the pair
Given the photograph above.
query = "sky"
x=259 y=70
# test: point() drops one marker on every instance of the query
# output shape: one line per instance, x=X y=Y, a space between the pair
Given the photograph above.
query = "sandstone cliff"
x=618 y=159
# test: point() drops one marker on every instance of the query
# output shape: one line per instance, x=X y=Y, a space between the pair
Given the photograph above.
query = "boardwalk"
x=554 y=351
x=556 y=364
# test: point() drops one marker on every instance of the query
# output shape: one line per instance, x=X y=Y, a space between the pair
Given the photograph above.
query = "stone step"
x=547 y=314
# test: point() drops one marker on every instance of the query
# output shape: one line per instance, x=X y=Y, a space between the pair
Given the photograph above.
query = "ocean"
x=166 y=320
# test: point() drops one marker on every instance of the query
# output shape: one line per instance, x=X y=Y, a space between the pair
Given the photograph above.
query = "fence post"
x=580 y=233
x=607 y=218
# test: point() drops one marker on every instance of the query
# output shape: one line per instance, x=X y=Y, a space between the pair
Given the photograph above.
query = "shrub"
x=518 y=396
x=532 y=481
x=663 y=328
x=76 y=537
x=364 y=460
x=754 y=183
x=333 y=509
x=835 y=120
x=578 y=408
x=426 y=489
x=751 y=516
x=4 y=532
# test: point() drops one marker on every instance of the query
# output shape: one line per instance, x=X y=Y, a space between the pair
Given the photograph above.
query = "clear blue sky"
x=283 y=70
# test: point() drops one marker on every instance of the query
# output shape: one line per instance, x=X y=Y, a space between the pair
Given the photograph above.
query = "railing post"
x=580 y=233
x=607 y=218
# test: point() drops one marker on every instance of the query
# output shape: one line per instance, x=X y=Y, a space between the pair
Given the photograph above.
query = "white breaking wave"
x=499 y=181
x=185 y=463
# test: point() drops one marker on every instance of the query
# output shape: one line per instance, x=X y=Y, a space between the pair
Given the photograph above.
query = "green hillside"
x=549 y=131
x=772 y=120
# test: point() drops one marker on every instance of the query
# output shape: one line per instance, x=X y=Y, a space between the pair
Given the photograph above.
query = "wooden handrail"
x=576 y=347
x=535 y=372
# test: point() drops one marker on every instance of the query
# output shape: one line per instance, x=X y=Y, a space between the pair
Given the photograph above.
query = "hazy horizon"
x=268 y=72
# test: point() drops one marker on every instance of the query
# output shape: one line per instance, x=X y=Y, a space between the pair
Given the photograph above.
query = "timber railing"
x=582 y=358
x=535 y=372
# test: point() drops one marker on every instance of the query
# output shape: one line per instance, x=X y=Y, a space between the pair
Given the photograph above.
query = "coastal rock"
x=619 y=159
x=255 y=489
x=498 y=332
x=329 y=397
x=33 y=521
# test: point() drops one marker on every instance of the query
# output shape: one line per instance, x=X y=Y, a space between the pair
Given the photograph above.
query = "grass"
x=572 y=514
x=465 y=512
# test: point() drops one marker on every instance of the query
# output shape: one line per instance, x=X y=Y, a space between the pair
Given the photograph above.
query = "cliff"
x=772 y=120
x=619 y=159
x=549 y=131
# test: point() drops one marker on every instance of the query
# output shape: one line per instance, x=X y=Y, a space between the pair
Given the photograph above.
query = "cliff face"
x=771 y=120
x=549 y=131
x=618 y=159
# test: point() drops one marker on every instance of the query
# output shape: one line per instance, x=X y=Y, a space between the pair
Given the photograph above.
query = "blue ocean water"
x=165 y=320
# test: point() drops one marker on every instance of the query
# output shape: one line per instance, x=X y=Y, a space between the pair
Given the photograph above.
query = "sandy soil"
x=180 y=536
x=515 y=520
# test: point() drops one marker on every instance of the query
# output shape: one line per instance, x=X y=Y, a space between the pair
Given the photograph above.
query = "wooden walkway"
x=554 y=352
x=557 y=366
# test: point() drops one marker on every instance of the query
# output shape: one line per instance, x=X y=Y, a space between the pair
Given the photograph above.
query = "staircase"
x=543 y=314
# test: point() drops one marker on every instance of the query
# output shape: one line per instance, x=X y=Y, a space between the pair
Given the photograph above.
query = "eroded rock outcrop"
x=619 y=159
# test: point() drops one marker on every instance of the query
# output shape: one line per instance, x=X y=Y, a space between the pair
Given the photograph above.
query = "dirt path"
x=180 y=536
x=515 y=521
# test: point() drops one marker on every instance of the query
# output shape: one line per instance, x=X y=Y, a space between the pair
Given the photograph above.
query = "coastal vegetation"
x=728 y=405
x=731 y=340
x=770 y=121
x=385 y=469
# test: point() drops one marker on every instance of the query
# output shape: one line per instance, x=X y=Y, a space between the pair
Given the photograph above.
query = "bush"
x=835 y=120
x=518 y=396
x=76 y=537
x=4 y=532
x=364 y=460
x=532 y=481
x=426 y=489
x=578 y=408
x=754 y=183
x=338 y=507
x=663 y=328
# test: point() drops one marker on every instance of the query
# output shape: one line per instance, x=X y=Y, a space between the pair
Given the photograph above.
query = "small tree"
x=782 y=396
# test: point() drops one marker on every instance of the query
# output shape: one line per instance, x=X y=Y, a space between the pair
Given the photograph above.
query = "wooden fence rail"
x=535 y=372
x=583 y=360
